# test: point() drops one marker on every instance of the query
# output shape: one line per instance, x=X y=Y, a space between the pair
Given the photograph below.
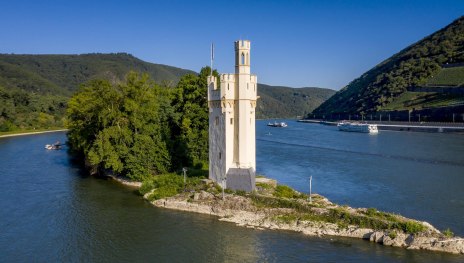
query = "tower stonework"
x=232 y=142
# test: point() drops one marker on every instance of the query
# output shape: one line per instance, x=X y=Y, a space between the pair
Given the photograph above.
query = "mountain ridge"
x=387 y=82
x=34 y=89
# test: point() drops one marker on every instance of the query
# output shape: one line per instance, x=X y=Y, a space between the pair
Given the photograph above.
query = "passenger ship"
x=357 y=127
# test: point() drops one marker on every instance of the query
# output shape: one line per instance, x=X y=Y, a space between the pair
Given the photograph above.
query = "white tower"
x=232 y=143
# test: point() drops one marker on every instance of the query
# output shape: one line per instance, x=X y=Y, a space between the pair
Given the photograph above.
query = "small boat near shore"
x=277 y=124
x=56 y=146
x=357 y=127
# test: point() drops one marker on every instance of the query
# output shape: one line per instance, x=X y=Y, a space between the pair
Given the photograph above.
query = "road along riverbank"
x=404 y=126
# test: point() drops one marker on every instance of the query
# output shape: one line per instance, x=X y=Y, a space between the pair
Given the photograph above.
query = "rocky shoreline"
x=224 y=209
x=242 y=211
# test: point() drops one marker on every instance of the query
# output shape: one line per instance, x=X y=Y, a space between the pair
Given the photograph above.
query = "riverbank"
x=276 y=207
x=403 y=126
x=14 y=134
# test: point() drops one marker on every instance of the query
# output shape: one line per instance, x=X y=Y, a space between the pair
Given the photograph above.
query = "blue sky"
x=294 y=43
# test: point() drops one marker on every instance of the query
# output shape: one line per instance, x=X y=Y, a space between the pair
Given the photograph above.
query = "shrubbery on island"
x=139 y=129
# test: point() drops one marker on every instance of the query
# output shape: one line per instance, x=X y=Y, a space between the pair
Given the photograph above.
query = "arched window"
x=227 y=86
x=247 y=61
x=243 y=59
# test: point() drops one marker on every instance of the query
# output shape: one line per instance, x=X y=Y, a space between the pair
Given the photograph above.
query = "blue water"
x=418 y=175
x=52 y=211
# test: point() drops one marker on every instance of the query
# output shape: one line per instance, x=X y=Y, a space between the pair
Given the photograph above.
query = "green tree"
x=120 y=126
x=190 y=129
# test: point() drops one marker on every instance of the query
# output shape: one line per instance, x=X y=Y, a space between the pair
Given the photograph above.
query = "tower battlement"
x=242 y=44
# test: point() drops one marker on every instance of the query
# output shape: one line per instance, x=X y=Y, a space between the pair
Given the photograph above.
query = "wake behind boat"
x=277 y=124
x=357 y=127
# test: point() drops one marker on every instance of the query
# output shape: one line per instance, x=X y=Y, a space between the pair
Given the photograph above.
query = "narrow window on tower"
x=247 y=85
x=227 y=86
x=243 y=59
x=220 y=155
x=231 y=120
x=217 y=120
x=247 y=61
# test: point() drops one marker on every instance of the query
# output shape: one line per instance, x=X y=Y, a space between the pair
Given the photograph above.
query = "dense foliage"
x=137 y=128
x=34 y=89
x=412 y=66
x=285 y=102
x=63 y=74
x=23 y=110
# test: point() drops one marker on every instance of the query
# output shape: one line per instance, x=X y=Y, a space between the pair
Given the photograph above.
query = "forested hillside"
x=384 y=87
x=34 y=89
x=285 y=102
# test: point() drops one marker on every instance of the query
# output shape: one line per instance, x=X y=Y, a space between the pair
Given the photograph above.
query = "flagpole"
x=212 y=58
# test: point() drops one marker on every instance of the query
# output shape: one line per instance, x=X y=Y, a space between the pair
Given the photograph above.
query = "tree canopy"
x=138 y=128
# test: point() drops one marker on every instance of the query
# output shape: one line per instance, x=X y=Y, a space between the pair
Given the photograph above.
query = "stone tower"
x=232 y=143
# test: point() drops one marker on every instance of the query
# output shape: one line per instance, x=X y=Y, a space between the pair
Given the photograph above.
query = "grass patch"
x=419 y=100
x=342 y=217
x=264 y=186
x=392 y=234
x=167 y=185
x=448 y=233
x=284 y=191
x=448 y=77
x=272 y=202
x=410 y=227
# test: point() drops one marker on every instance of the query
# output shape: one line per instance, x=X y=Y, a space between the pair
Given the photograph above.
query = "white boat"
x=357 y=127
x=277 y=124
x=56 y=146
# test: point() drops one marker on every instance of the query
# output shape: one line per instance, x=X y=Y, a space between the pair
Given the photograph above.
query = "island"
x=278 y=207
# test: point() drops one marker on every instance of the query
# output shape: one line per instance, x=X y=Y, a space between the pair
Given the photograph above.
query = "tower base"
x=241 y=179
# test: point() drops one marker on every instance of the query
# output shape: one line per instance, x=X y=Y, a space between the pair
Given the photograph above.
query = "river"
x=51 y=210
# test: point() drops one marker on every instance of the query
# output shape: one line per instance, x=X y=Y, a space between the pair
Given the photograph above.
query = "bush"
x=448 y=233
x=371 y=212
x=167 y=185
x=163 y=192
x=285 y=191
x=412 y=227
x=392 y=234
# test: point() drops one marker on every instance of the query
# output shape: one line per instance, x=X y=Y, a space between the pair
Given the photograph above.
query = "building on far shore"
x=232 y=142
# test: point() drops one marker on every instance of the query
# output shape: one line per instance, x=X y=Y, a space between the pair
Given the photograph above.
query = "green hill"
x=34 y=89
x=62 y=74
x=385 y=87
x=285 y=102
